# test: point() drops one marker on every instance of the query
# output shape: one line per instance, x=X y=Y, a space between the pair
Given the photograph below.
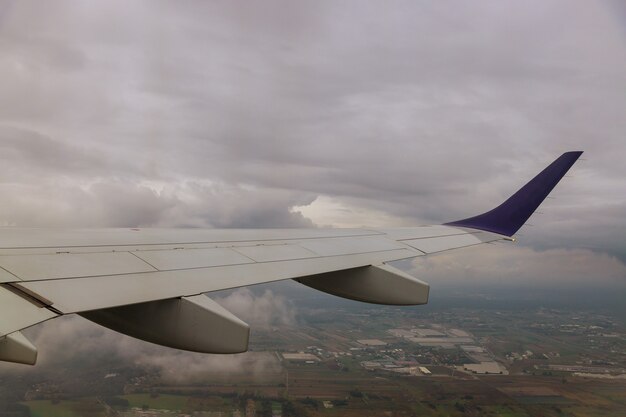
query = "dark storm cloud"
x=213 y=114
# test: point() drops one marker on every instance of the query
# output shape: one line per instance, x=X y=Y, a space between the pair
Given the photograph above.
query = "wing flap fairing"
x=15 y=347
x=197 y=324
x=378 y=284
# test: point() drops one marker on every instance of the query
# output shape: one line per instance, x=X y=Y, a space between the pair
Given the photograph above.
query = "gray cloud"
x=20 y=148
x=123 y=203
x=210 y=114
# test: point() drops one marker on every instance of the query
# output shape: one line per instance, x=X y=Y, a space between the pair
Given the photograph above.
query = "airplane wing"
x=150 y=283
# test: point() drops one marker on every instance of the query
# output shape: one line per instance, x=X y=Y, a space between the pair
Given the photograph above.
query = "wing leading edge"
x=148 y=283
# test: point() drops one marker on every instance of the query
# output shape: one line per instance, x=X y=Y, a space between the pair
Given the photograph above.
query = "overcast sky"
x=320 y=113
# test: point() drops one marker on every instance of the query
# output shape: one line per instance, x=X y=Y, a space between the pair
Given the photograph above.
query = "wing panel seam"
x=232 y=265
x=192 y=243
x=143 y=260
x=439 y=236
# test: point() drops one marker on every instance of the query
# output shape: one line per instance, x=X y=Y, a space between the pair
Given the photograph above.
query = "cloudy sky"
x=321 y=113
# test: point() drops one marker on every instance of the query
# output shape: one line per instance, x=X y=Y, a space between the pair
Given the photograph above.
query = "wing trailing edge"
x=510 y=216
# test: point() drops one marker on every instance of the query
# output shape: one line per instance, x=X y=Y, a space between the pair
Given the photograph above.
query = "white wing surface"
x=148 y=283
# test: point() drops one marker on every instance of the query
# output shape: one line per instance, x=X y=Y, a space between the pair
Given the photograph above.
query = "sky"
x=322 y=114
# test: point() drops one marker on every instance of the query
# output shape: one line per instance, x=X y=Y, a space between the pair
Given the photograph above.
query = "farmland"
x=389 y=361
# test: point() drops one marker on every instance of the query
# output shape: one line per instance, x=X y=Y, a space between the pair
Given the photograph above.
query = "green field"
x=162 y=402
x=45 y=408
x=82 y=408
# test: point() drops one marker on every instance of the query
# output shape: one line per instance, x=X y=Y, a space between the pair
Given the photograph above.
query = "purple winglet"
x=508 y=217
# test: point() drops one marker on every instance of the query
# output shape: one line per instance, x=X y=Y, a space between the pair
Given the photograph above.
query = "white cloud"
x=262 y=311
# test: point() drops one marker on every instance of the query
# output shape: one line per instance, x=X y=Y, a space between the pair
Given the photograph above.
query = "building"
x=371 y=342
x=483 y=368
x=300 y=356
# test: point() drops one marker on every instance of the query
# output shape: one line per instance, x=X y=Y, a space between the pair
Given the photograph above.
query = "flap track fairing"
x=194 y=323
x=378 y=284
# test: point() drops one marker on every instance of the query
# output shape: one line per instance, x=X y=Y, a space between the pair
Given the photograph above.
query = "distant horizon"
x=508 y=296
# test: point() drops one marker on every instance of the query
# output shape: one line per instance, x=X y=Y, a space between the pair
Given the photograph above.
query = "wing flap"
x=275 y=252
x=348 y=246
x=18 y=312
x=72 y=265
x=167 y=260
